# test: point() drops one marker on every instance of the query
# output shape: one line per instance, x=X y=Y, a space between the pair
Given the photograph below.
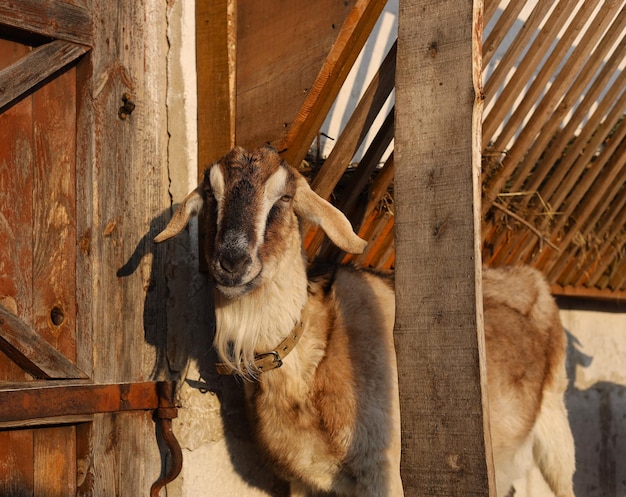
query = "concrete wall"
x=220 y=458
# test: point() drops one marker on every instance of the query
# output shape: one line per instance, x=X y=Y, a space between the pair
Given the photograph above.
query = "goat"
x=317 y=351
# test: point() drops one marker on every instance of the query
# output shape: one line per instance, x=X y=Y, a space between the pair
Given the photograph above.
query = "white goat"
x=317 y=351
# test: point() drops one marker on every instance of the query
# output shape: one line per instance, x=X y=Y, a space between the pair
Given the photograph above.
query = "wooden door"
x=38 y=258
x=75 y=399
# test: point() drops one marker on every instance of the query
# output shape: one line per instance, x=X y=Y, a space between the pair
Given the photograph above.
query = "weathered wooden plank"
x=215 y=65
x=352 y=36
x=19 y=78
x=281 y=48
x=53 y=18
x=127 y=167
x=29 y=350
x=16 y=162
x=38 y=422
x=54 y=213
x=438 y=273
x=16 y=463
x=54 y=454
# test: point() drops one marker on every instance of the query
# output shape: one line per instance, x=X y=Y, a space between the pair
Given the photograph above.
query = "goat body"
x=328 y=418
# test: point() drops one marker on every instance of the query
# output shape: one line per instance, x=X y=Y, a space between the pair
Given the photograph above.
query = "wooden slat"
x=26 y=347
x=578 y=87
x=588 y=293
x=505 y=22
x=54 y=461
x=54 y=213
x=19 y=78
x=53 y=18
x=573 y=149
x=491 y=6
x=523 y=81
x=380 y=185
x=437 y=223
x=617 y=279
x=356 y=128
x=377 y=240
x=16 y=147
x=574 y=189
x=358 y=180
x=369 y=163
x=593 y=96
x=351 y=38
x=612 y=224
x=552 y=96
x=512 y=55
x=590 y=193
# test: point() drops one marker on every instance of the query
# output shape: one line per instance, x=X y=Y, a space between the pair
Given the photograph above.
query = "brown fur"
x=328 y=419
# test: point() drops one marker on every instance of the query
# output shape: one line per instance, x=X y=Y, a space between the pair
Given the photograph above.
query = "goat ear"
x=310 y=206
x=190 y=206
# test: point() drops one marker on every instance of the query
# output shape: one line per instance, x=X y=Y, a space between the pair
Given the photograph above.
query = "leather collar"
x=272 y=359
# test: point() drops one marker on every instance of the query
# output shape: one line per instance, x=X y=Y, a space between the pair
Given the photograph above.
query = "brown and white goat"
x=317 y=350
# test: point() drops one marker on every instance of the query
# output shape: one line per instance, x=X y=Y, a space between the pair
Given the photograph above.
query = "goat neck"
x=259 y=320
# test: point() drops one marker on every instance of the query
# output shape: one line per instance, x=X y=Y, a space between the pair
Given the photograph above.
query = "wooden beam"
x=46 y=399
x=353 y=35
x=439 y=323
x=19 y=78
x=357 y=127
x=31 y=352
x=71 y=22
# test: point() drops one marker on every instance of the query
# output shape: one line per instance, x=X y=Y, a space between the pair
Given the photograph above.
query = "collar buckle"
x=275 y=363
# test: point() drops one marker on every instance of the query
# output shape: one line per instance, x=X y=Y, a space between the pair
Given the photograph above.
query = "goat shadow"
x=597 y=417
x=179 y=323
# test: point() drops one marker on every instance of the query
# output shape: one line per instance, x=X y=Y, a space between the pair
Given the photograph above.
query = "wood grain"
x=54 y=18
x=439 y=328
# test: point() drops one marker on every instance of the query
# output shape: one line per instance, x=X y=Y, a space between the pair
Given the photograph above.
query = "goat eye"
x=286 y=198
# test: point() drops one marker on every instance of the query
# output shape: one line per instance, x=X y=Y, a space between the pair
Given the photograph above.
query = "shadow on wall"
x=597 y=417
x=179 y=324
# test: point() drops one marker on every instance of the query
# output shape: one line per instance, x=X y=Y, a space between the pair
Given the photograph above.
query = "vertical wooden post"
x=215 y=64
x=446 y=448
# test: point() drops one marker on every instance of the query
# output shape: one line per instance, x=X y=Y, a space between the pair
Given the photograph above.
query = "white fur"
x=360 y=455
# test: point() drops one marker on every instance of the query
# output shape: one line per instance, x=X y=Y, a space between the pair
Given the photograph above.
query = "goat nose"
x=234 y=261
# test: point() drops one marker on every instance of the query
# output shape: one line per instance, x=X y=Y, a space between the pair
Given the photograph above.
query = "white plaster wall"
x=219 y=458
x=596 y=400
